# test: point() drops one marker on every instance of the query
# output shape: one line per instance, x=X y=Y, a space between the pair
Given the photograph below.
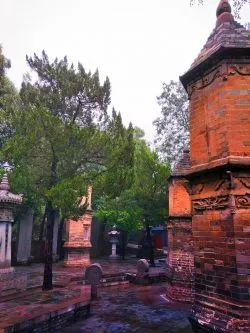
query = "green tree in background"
x=145 y=192
x=150 y=188
x=122 y=211
x=172 y=127
x=58 y=138
x=8 y=99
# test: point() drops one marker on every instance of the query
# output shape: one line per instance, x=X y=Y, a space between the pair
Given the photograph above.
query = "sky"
x=138 y=44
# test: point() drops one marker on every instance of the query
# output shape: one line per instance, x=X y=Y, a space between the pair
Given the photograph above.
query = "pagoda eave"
x=222 y=53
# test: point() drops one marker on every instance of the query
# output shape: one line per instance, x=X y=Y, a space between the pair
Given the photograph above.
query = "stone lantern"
x=113 y=238
x=7 y=202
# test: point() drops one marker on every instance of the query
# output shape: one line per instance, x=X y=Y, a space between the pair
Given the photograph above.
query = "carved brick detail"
x=222 y=72
x=245 y=182
x=239 y=69
x=243 y=201
x=219 y=202
x=205 y=81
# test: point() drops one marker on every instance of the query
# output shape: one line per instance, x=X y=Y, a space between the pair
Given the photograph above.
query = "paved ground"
x=63 y=276
x=135 y=309
x=121 y=309
x=36 y=303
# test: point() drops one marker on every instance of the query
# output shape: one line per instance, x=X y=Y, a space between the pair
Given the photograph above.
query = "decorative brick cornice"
x=222 y=163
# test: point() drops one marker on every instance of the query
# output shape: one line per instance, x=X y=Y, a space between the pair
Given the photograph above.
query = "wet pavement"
x=63 y=276
x=37 y=304
x=134 y=309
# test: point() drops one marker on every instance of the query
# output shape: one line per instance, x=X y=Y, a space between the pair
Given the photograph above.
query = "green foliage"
x=117 y=175
x=8 y=100
x=59 y=137
x=144 y=196
x=173 y=124
x=122 y=211
x=72 y=95
x=150 y=183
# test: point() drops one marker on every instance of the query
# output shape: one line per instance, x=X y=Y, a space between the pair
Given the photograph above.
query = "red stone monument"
x=180 y=259
x=78 y=243
x=218 y=85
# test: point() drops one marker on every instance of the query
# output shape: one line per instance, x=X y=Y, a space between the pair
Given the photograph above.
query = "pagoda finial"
x=4 y=185
x=224 y=12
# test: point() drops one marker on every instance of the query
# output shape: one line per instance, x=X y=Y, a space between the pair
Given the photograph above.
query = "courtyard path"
x=134 y=309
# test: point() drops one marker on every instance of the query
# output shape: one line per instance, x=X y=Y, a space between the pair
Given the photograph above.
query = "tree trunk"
x=48 y=276
x=41 y=233
x=59 y=240
x=151 y=247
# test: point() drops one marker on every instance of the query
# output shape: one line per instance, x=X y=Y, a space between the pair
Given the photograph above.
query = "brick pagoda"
x=78 y=232
x=180 y=259
x=218 y=85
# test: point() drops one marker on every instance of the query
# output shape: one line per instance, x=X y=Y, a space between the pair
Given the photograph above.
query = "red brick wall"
x=179 y=199
x=180 y=259
x=219 y=119
x=219 y=129
x=221 y=234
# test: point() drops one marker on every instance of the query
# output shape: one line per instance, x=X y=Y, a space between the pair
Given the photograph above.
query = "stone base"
x=220 y=316
x=113 y=256
x=7 y=270
x=77 y=257
x=77 y=264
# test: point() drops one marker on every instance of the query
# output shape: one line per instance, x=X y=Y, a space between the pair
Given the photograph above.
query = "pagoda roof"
x=227 y=35
x=183 y=165
x=5 y=195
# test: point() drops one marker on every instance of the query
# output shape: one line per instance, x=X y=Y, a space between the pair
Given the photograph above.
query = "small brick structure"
x=218 y=85
x=77 y=247
x=180 y=259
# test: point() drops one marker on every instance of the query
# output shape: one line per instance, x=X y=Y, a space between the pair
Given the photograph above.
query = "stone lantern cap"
x=5 y=195
x=114 y=232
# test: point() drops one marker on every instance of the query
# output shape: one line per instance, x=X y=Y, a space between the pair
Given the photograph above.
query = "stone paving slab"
x=134 y=309
x=32 y=307
x=62 y=276
x=35 y=306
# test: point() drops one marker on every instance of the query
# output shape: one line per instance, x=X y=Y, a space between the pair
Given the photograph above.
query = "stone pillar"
x=113 y=254
x=218 y=86
x=180 y=258
x=7 y=201
x=5 y=247
x=25 y=237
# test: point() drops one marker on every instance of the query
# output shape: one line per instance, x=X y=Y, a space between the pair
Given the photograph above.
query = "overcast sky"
x=139 y=44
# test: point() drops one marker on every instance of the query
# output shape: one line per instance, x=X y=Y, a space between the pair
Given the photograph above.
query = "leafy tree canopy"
x=172 y=127
x=145 y=191
x=8 y=99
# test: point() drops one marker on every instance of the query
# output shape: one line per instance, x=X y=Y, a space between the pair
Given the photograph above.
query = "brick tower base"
x=77 y=248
